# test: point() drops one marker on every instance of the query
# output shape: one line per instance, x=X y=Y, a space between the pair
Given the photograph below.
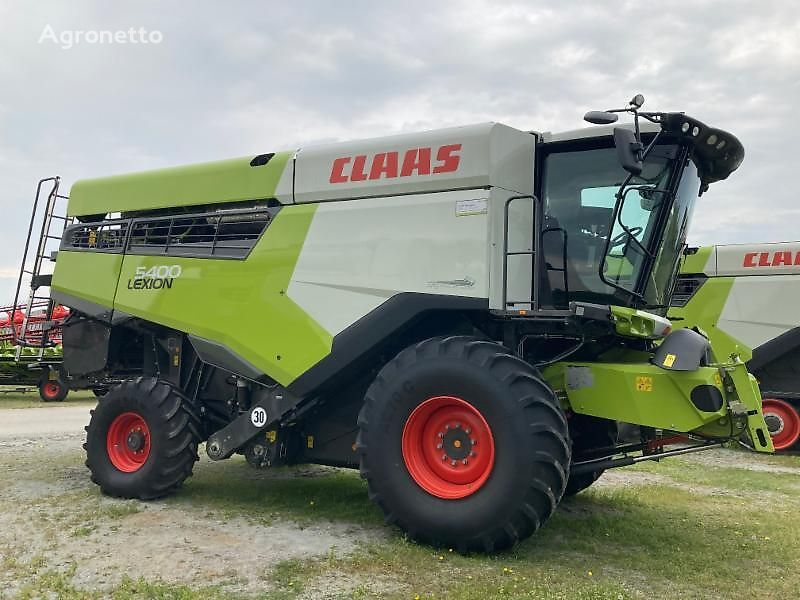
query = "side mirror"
x=629 y=150
x=600 y=117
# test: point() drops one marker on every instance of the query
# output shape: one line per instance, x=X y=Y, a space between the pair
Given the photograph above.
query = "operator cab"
x=614 y=234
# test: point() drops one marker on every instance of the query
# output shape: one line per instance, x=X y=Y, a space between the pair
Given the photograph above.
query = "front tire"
x=141 y=441
x=463 y=445
x=588 y=433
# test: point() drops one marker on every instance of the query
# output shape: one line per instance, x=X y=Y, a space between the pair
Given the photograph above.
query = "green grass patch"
x=31 y=399
x=733 y=478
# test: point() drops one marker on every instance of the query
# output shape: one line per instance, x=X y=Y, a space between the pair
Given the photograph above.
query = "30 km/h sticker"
x=258 y=417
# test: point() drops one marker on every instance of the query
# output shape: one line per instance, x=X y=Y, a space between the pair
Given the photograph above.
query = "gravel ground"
x=52 y=515
x=51 y=512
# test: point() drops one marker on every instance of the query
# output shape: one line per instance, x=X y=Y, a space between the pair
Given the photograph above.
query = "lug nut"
x=441 y=434
x=453 y=464
x=468 y=430
x=444 y=456
x=463 y=462
x=446 y=427
x=438 y=446
x=458 y=425
x=472 y=454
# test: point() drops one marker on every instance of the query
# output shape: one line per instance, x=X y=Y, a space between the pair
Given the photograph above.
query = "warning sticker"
x=644 y=384
x=473 y=206
x=669 y=360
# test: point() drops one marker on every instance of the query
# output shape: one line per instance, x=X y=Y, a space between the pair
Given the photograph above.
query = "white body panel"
x=781 y=258
x=475 y=156
x=759 y=309
x=360 y=253
x=762 y=303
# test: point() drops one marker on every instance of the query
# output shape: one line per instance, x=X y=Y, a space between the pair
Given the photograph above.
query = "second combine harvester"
x=463 y=314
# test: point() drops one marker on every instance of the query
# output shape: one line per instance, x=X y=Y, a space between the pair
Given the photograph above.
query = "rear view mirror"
x=629 y=150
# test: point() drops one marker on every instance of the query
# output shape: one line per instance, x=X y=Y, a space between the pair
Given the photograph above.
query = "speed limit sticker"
x=258 y=416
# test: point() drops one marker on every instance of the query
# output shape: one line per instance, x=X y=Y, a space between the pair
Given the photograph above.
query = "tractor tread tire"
x=175 y=433
x=597 y=433
x=516 y=504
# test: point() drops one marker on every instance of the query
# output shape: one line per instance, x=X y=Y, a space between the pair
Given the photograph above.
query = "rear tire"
x=440 y=397
x=141 y=441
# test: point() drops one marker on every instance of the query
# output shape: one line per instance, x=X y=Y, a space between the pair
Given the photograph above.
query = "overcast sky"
x=238 y=78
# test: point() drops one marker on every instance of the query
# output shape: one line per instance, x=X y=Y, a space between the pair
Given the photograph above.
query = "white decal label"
x=473 y=206
x=258 y=417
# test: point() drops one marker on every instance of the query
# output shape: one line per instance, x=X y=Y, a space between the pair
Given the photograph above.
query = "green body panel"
x=704 y=310
x=697 y=262
x=241 y=304
x=90 y=276
x=206 y=183
x=636 y=392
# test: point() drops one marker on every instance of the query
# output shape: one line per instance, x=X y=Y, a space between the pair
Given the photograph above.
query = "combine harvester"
x=463 y=314
x=743 y=297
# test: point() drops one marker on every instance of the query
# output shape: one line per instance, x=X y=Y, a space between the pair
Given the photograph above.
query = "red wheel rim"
x=783 y=423
x=51 y=389
x=448 y=447
x=128 y=442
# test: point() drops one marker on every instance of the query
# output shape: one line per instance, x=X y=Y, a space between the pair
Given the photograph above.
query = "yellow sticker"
x=310 y=441
x=272 y=436
x=644 y=384
x=669 y=360
x=717 y=380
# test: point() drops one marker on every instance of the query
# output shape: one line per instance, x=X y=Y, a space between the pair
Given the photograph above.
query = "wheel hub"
x=128 y=442
x=448 y=448
x=135 y=440
x=455 y=443
x=774 y=423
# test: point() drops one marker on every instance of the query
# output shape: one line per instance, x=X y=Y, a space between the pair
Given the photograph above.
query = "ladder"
x=35 y=330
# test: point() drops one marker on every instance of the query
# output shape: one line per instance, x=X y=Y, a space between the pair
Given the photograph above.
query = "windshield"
x=662 y=278
x=579 y=190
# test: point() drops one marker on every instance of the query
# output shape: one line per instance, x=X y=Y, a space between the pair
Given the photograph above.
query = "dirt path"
x=15 y=423
x=53 y=519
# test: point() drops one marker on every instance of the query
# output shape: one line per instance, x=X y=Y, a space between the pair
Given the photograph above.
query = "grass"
x=702 y=529
x=697 y=531
x=11 y=397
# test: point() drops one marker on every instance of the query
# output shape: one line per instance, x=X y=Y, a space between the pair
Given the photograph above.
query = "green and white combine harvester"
x=744 y=298
x=463 y=314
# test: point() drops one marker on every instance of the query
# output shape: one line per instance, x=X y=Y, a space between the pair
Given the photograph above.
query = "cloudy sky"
x=238 y=78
